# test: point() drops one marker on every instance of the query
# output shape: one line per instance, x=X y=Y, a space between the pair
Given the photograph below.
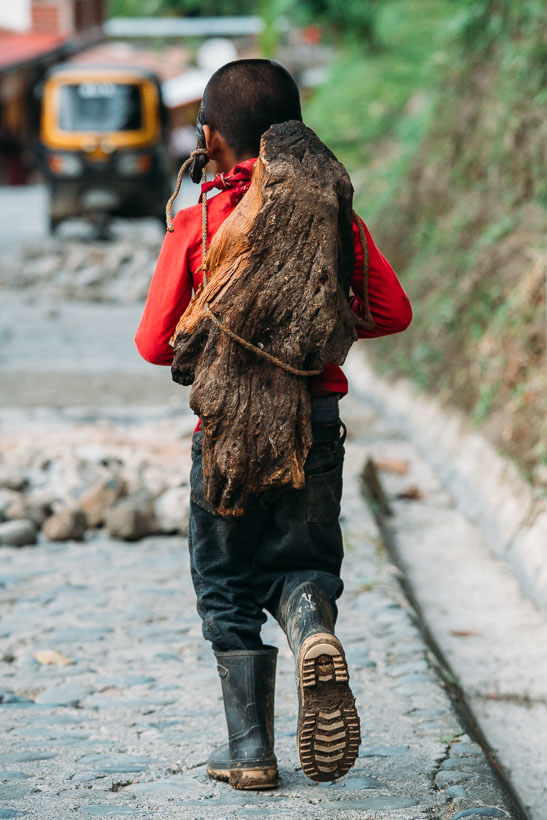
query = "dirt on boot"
x=328 y=725
x=257 y=777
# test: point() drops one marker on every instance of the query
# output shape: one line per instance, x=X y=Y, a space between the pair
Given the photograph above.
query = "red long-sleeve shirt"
x=174 y=279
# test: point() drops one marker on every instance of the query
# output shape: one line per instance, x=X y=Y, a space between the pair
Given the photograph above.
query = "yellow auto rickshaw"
x=103 y=136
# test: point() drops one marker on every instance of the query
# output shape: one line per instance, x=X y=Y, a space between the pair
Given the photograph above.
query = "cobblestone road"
x=124 y=729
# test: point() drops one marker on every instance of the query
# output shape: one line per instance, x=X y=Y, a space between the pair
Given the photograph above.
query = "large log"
x=279 y=272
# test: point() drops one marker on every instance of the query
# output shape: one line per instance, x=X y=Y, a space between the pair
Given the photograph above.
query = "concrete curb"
x=485 y=484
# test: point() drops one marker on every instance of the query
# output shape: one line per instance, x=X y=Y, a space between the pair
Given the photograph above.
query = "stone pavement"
x=125 y=727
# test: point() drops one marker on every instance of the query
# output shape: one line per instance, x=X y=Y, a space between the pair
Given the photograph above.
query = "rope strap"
x=366 y=322
x=265 y=355
x=183 y=167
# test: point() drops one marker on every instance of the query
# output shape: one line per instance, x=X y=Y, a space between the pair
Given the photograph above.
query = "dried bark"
x=280 y=267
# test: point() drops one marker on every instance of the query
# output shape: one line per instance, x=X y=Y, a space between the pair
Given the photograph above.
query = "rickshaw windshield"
x=100 y=106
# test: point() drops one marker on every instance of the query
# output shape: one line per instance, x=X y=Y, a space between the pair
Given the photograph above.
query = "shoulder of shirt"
x=190 y=218
x=187 y=217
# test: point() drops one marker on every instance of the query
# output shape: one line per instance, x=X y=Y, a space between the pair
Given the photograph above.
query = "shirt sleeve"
x=389 y=304
x=168 y=297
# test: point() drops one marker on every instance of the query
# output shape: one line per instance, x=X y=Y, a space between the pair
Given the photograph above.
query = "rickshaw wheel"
x=102 y=226
x=53 y=224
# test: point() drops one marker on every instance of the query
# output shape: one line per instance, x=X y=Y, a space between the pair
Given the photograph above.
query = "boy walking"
x=284 y=554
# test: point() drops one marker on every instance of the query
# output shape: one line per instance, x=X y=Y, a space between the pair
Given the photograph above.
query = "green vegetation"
x=443 y=130
x=356 y=19
x=375 y=106
x=179 y=8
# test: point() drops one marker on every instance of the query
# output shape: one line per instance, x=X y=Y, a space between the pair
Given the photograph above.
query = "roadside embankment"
x=448 y=166
x=462 y=526
x=488 y=487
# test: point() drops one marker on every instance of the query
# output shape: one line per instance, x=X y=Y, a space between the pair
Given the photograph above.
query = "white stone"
x=66 y=525
x=172 y=509
x=17 y=533
x=132 y=518
x=7 y=497
x=12 y=478
x=26 y=507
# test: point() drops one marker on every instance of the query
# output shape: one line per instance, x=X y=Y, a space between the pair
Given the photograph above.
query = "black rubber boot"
x=328 y=723
x=248 y=685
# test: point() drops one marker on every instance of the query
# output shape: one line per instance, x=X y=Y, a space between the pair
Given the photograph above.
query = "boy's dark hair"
x=243 y=98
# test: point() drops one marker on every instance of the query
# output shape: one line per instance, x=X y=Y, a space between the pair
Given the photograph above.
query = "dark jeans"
x=243 y=566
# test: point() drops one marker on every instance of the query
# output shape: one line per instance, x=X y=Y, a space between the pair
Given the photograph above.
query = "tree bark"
x=279 y=272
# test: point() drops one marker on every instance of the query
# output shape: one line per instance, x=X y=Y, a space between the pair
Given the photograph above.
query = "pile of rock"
x=123 y=481
x=89 y=271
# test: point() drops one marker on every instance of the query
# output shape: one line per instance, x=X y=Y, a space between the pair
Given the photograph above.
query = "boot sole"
x=258 y=778
x=328 y=726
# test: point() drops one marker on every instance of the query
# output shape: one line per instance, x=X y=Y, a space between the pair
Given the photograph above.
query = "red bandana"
x=238 y=179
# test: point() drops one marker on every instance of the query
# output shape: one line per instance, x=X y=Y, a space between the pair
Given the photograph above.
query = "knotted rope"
x=366 y=322
x=265 y=355
x=169 y=207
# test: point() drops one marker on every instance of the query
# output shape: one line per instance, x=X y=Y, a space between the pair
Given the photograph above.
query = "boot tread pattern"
x=329 y=730
x=311 y=674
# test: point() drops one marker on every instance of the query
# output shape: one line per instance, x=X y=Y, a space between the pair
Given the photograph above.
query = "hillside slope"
x=462 y=218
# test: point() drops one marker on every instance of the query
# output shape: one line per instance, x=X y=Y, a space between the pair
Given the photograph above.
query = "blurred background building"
x=181 y=50
x=35 y=35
